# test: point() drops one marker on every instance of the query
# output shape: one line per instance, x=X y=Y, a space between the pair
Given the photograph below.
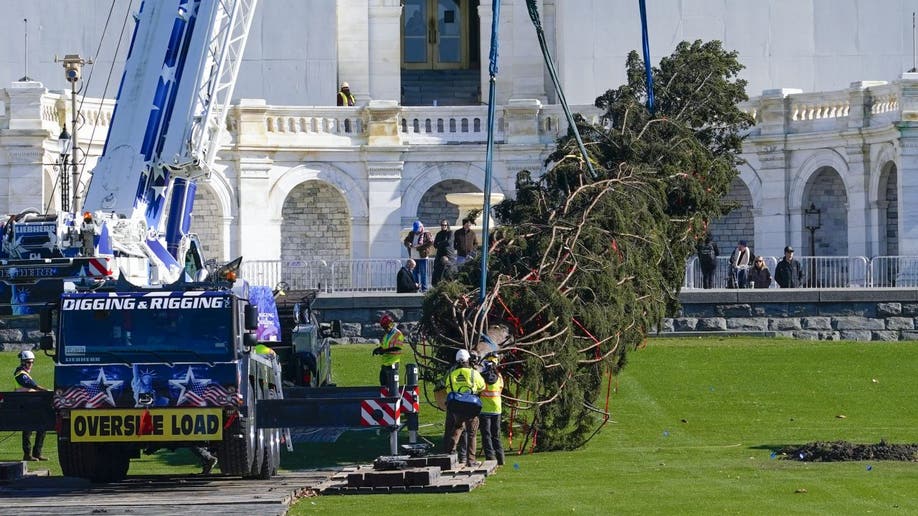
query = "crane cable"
x=549 y=63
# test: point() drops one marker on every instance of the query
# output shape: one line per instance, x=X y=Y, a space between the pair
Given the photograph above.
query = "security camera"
x=72 y=72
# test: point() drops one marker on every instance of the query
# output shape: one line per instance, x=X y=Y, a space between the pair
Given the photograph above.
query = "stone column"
x=520 y=65
x=22 y=182
x=354 y=47
x=382 y=123
x=522 y=118
x=258 y=236
x=385 y=52
x=774 y=224
x=908 y=159
x=384 y=196
x=863 y=222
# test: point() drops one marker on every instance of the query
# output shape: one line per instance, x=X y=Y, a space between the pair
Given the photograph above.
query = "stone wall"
x=805 y=314
x=19 y=332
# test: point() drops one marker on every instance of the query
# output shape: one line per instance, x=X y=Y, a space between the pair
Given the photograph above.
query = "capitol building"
x=300 y=179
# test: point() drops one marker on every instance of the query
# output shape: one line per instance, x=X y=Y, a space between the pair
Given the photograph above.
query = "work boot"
x=209 y=465
x=39 y=457
x=28 y=458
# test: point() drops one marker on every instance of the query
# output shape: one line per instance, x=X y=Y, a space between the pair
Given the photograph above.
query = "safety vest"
x=24 y=379
x=465 y=379
x=346 y=100
x=490 y=396
x=394 y=338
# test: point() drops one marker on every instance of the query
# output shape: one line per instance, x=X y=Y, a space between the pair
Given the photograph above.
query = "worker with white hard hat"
x=25 y=383
x=463 y=383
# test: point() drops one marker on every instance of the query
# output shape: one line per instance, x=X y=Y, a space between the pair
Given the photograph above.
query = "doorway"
x=435 y=34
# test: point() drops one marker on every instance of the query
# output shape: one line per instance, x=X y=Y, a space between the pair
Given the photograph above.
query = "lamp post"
x=63 y=143
x=812 y=220
x=73 y=71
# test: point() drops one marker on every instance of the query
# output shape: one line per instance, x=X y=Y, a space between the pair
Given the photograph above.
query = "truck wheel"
x=271 y=454
x=114 y=467
x=236 y=454
x=77 y=459
x=260 y=455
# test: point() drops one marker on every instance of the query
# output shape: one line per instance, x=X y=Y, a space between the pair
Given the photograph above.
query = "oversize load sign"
x=127 y=425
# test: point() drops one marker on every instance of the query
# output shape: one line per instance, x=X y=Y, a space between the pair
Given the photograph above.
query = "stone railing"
x=523 y=121
x=864 y=104
x=96 y=115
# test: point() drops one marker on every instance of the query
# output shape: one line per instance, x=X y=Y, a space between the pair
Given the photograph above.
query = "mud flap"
x=21 y=411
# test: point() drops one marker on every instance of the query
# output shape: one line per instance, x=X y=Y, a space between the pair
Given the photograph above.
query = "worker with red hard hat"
x=390 y=350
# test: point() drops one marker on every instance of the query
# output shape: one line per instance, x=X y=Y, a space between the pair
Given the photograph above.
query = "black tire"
x=100 y=463
x=77 y=459
x=235 y=454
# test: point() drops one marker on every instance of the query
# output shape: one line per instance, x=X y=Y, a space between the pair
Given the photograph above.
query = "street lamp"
x=812 y=220
x=64 y=142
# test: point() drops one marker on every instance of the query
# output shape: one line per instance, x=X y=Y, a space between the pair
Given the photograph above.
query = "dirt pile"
x=837 y=451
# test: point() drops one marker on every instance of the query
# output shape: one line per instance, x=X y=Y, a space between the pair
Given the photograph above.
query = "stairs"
x=446 y=87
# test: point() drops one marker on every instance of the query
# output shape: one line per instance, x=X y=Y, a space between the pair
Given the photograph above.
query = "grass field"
x=694 y=426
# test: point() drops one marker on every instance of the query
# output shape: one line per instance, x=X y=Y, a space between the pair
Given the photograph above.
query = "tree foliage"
x=582 y=267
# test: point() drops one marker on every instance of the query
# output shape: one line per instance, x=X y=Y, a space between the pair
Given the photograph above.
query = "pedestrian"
x=24 y=380
x=208 y=459
x=789 y=273
x=462 y=381
x=405 y=282
x=390 y=350
x=739 y=265
x=489 y=419
x=465 y=242
x=344 y=95
x=759 y=275
x=443 y=241
x=448 y=264
x=420 y=240
x=707 y=260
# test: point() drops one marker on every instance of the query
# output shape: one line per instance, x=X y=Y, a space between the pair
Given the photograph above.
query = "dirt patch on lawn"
x=837 y=451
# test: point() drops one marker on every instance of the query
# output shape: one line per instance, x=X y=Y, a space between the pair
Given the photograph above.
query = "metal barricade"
x=894 y=271
x=834 y=271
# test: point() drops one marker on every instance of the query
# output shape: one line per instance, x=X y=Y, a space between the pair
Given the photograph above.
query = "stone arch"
x=433 y=205
x=316 y=223
x=824 y=158
x=826 y=191
x=207 y=221
x=884 y=156
x=739 y=224
x=437 y=173
x=334 y=176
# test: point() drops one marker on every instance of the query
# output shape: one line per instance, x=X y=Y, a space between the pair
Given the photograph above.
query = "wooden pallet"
x=436 y=474
x=162 y=494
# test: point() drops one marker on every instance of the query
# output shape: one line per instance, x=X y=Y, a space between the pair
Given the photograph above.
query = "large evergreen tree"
x=582 y=266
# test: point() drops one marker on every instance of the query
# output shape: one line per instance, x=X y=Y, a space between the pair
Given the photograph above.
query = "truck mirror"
x=46 y=343
x=44 y=321
x=251 y=317
x=249 y=341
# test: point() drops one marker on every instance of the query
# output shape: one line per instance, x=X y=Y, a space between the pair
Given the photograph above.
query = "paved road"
x=159 y=495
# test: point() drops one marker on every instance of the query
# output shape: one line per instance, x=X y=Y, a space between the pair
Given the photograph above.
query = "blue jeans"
x=420 y=273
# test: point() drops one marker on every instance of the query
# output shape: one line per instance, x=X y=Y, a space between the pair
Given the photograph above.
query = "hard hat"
x=385 y=320
x=492 y=358
x=345 y=85
x=417 y=226
x=462 y=355
x=26 y=355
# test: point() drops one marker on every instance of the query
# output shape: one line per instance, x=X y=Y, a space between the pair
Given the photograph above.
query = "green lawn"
x=694 y=426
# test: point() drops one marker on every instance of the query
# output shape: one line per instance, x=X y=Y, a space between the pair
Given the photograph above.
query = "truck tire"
x=77 y=459
x=99 y=463
x=271 y=454
x=235 y=454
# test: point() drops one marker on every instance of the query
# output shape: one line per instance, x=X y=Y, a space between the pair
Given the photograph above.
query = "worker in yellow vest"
x=489 y=419
x=390 y=350
x=345 y=98
x=463 y=404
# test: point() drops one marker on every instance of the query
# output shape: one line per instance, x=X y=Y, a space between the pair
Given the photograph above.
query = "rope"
x=549 y=63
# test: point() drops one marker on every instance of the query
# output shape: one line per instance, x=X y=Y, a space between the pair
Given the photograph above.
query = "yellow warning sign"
x=133 y=425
